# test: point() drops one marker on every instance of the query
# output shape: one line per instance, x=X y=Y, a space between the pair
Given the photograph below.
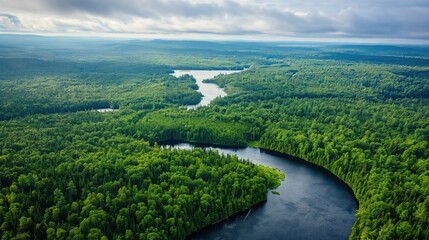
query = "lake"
x=313 y=203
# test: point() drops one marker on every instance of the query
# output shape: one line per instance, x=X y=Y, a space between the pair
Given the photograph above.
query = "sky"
x=220 y=19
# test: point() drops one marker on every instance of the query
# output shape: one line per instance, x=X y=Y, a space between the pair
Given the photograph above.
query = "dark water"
x=313 y=204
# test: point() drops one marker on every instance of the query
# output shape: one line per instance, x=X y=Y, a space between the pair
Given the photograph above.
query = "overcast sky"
x=371 y=19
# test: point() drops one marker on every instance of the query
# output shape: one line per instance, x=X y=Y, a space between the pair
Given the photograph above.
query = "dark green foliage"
x=362 y=112
x=65 y=180
x=367 y=124
x=70 y=93
x=165 y=125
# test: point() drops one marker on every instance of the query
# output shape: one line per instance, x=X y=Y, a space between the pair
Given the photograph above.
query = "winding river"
x=313 y=203
x=210 y=91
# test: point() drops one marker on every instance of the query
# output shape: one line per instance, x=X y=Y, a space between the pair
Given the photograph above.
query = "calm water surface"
x=210 y=91
x=106 y=110
x=313 y=203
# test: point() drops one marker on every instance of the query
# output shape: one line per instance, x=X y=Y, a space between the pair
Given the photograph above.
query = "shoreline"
x=320 y=168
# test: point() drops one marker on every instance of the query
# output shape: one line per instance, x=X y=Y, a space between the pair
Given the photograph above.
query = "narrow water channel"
x=209 y=91
x=313 y=203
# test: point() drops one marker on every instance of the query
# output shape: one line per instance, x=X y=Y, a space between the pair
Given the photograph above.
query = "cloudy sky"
x=358 y=19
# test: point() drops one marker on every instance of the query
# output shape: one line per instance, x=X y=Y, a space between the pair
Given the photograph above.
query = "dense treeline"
x=78 y=92
x=363 y=115
x=30 y=67
x=62 y=180
x=166 y=125
x=89 y=175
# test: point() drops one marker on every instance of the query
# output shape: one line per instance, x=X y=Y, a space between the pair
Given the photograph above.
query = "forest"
x=67 y=172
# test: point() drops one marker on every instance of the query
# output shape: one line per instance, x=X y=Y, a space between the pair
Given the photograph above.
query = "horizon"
x=291 y=40
x=382 y=21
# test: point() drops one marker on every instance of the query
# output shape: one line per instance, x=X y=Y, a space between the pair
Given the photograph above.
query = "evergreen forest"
x=70 y=172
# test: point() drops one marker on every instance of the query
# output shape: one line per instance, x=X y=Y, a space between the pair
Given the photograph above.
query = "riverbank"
x=320 y=169
x=313 y=203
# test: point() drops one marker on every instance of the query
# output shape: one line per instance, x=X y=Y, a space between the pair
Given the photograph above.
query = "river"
x=313 y=203
x=210 y=91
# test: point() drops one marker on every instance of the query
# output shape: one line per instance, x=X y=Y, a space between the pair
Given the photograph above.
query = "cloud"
x=310 y=18
x=385 y=22
x=9 y=22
